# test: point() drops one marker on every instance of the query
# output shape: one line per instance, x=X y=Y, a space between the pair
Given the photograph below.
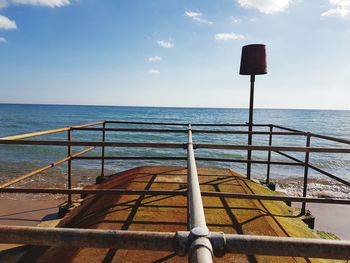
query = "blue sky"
x=174 y=52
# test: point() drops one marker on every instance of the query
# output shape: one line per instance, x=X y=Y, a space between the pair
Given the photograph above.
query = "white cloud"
x=198 y=17
x=165 y=44
x=6 y=23
x=266 y=6
x=2 y=40
x=228 y=36
x=153 y=71
x=338 y=8
x=155 y=58
x=48 y=3
x=235 y=20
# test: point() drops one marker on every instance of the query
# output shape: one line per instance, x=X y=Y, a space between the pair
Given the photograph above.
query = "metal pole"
x=75 y=237
x=69 y=155
x=103 y=151
x=269 y=157
x=306 y=172
x=200 y=249
x=286 y=246
x=250 y=124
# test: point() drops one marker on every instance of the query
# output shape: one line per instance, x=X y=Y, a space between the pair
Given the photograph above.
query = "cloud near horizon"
x=153 y=71
x=165 y=44
x=6 y=23
x=2 y=40
x=47 y=3
x=266 y=6
x=338 y=8
x=228 y=36
x=198 y=17
x=155 y=58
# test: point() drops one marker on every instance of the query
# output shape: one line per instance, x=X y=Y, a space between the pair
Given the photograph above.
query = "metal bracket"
x=218 y=241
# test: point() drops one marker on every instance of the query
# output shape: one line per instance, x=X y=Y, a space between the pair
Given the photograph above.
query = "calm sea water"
x=17 y=119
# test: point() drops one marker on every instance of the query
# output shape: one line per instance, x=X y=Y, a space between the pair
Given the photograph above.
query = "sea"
x=17 y=160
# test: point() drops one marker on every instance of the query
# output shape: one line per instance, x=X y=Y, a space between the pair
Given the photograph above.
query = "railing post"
x=250 y=124
x=269 y=156
x=306 y=171
x=69 y=155
x=103 y=150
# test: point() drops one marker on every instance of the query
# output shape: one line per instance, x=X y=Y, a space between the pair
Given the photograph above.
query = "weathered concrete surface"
x=169 y=213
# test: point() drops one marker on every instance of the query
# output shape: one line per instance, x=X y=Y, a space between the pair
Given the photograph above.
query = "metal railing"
x=199 y=243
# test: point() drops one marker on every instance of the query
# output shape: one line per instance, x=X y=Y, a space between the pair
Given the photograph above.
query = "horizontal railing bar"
x=228 y=124
x=133 y=130
x=174 y=193
x=316 y=169
x=245 y=161
x=278 y=198
x=41 y=133
x=185 y=124
x=177 y=145
x=185 y=131
x=247 y=132
x=75 y=237
x=287 y=246
x=95 y=143
x=148 y=123
x=330 y=138
x=272 y=148
x=285 y=128
x=329 y=175
x=131 y=158
x=44 y=168
x=91 y=191
x=181 y=158
x=170 y=242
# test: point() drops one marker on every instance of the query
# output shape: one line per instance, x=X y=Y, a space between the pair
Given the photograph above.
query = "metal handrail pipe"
x=92 y=191
x=201 y=250
x=148 y=123
x=330 y=138
x=278 y=198
x=315 y=168
x=47 y=132
x=248 y=132
x=329 y=175
x=186 y=124
x=75 y=237
x=95 y=143
x=272 y=148
x=44 y=168
x=177 y=145
x=185 y=131
x=175 y=158
x=287 y=246
x=132 y=130
x=285 y=128
x=196 y=210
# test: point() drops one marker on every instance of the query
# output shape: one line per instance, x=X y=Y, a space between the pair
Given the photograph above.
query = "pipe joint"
x=201 y=242
x=218 y=242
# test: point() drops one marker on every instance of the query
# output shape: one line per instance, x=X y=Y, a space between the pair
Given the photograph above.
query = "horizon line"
x=175 y=107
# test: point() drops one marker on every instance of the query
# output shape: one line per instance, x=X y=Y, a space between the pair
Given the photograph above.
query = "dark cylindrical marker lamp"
x=253 y=62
